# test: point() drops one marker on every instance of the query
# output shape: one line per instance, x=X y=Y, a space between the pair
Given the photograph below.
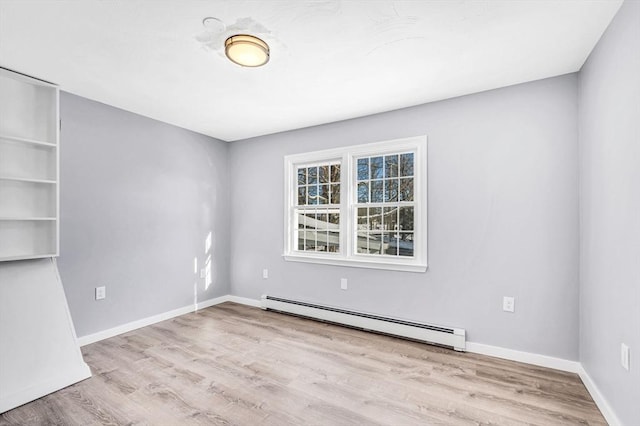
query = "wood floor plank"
x=236 y=365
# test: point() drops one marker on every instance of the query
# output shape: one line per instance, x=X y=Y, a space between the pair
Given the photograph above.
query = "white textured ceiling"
x=330 y=60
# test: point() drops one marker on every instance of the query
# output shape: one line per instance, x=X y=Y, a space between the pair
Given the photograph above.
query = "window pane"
x=335 y=194
x=313 y=194
x=321 y=221
x=302 y=176
x=362 y=244
x=377 y=171
x=406 y=164
x=335 y=173
x=321 y=244
x=405 y=244
x=362 y=219
x=309 y=220
x=312 y=175
x=333 y=242
x=390 y=243
x=310 y=240
x=390 y=219
x=334 y=218
x=375 y=243
x=406 y=218
x=302 y=240
x=375 y=218
x=323 y=197
x=302 y=196
x=390 y=190
x=376 y=191
x=391 y=166
x=324 y=174
x=363 y=168
x=406 y=189
x=363 y=192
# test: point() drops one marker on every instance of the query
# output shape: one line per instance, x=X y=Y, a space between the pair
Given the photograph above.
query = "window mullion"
x=346 y=181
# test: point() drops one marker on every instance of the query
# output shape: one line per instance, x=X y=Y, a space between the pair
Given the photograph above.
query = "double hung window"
x=362 y=206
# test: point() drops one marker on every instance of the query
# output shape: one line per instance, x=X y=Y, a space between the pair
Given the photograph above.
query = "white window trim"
x=346 y=257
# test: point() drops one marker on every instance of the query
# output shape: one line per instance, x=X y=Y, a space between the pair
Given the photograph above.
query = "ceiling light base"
x=246 y=50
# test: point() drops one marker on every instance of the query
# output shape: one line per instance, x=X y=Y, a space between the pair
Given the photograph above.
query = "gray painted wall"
x=138 y=198
x=609 y=93
x=503 y=210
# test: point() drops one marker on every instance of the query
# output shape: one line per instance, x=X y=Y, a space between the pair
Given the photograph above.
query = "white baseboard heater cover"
x=444 y=336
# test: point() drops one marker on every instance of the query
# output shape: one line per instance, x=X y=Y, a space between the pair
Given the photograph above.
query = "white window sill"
x=357 y=263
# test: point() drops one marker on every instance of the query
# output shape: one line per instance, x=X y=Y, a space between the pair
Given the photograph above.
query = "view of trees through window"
x=384 y=202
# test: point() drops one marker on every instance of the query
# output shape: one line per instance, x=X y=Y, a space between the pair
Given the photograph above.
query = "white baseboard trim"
x=7 y=402
x=555 y=363
x=526 y=357
x=599 y=399
x=125 y=328
x=244 y=301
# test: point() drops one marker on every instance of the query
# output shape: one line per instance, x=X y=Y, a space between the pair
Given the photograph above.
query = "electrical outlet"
x=343 y=283
x=101 y=292
x=624 y=356
x=265 y=274
x=509 y=304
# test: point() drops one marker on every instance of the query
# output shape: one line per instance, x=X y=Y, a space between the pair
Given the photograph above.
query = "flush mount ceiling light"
x=246 y=50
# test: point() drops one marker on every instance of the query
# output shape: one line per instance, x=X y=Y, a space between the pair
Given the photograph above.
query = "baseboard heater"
x=432 y=334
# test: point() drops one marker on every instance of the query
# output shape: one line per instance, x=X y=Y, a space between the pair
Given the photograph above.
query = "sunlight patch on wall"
x=195 y=283
x=207 y=264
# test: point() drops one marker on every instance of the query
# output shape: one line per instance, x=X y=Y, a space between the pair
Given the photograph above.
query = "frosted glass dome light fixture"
x=246 y=50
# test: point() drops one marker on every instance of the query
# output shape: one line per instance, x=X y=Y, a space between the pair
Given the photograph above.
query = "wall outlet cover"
x=101 y=292
x=624 y=356
x=343 y=283
x=509 y=304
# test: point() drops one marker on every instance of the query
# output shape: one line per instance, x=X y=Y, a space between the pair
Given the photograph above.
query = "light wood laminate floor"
x=233 y=364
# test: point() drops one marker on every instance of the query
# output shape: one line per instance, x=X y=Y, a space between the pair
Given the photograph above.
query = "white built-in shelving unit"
x=29 y=167
x=34 y=315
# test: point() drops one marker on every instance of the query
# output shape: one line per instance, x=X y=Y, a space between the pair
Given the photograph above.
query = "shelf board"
x=26 y=140
x=27 y=256
x=26 y=218
x=19 y=179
